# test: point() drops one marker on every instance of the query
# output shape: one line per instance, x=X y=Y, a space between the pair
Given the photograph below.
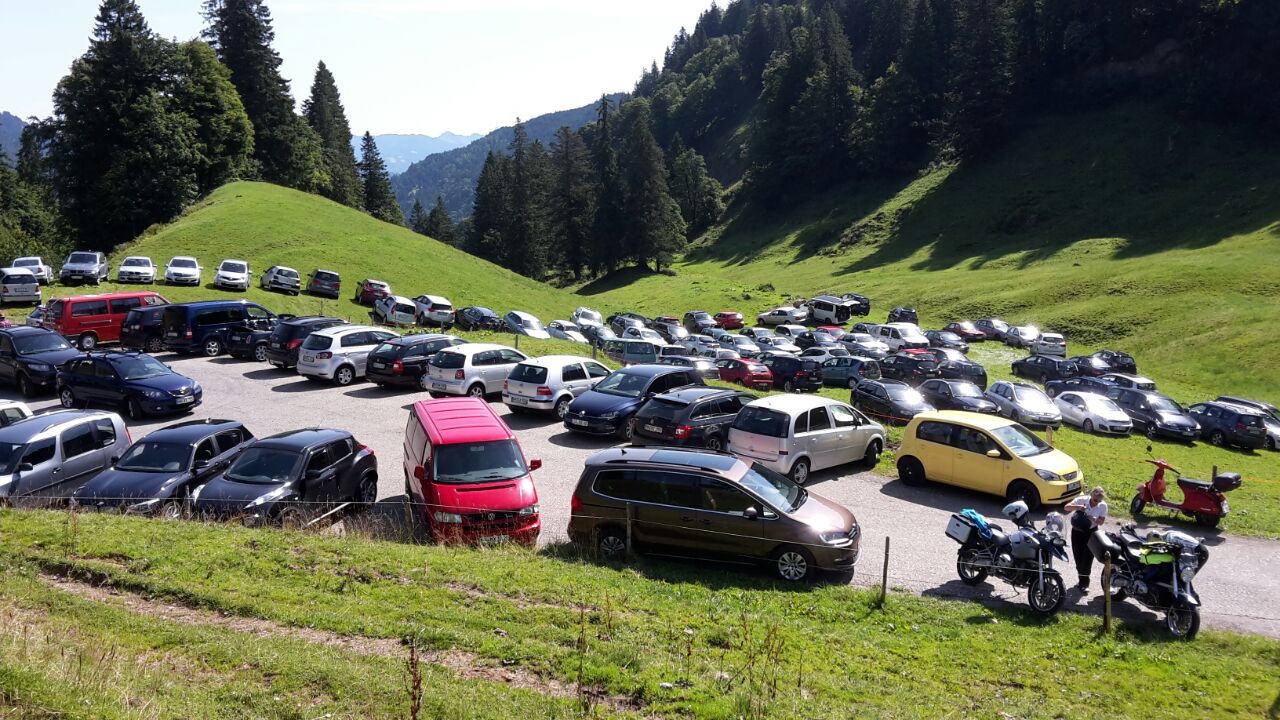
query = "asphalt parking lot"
x=1240 y=586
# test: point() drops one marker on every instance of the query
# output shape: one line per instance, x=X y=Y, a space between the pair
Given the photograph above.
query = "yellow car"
x=986 y=453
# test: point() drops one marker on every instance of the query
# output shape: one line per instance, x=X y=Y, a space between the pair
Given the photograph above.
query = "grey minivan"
x=54 y=454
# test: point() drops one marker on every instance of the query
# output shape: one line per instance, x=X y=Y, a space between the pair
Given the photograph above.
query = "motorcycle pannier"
x=1226 y=482
x=961 y=529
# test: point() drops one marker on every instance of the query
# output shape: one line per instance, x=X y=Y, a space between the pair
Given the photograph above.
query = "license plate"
x=171 y=334
x=1073 y=487
x=580 y=423
x=379 y=365
x=438 y=386
x=653 y=428
x=308 y=358
x=185 y=400
x=519 y=400
x=492 y=539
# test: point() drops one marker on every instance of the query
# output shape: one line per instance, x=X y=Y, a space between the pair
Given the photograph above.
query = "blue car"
x=143 y=385
x=610 y=407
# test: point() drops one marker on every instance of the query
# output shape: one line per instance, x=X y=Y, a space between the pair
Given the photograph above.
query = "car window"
x=355 y=339
x=319 y=460
x=970 y=440
x=103 y=369
x=842 y=416
x=339 y=450
x=40 y=451
x=106 y=432
x=11 y=415
x=123 y=305
x=671 y=488
x=819 y=420
x=801 y=424
x=89 y=308
x=77 y=441
x=935 y=432
x=572 y=373
x=510 y=356
x=206 y=450
x=231 y=438
x=718 y=496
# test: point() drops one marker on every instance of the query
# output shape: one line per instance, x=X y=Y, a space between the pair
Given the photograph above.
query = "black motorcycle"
x=1023 y=558
x=1156 y=572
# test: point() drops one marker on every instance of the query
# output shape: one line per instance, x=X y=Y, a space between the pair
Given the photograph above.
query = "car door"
x=319 y=481
x=346 y=484
x=574 y=377
x=108 y=386
x=669 y=520
x=971 y=467
x=229 y=446
x=723 y=530
x=82 y=458
x=825 y=438
x=506 y=362
x=936 y=453
x=8 y=360
x=853 y=432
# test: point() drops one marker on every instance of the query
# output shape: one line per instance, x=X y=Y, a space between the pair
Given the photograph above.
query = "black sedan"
x=955 y=366
x=1090 y=365
x=956 y=395
x=946 y=339
x=30 y=358
x=1044 y=368
x=889 y=401
x=1119 y=361
x=157 y=474
x=143 y=385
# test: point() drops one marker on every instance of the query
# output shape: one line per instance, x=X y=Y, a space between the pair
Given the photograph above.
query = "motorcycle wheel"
x=1207 y=520
x=1045 y=597
x=967 y=568
x=1183 y=621
x=1136 y=505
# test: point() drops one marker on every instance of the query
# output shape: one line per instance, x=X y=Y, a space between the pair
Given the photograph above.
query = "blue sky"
x=403 y=66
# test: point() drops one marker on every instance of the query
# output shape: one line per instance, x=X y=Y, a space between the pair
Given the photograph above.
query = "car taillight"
x=682 y=431
x=459 y=375
x=1241 y=427
x=324 y=355
x=361 y=447
x=294 y=344
x=802 y=373
x=575 y=504
x=506 y=384
x=544 y=390
x=188 y=333
x=397 y=367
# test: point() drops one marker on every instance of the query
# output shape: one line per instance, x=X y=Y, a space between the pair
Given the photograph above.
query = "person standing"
x=1088 y=514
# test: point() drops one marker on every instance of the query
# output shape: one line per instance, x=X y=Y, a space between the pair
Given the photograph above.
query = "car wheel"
x=260 y=352
x=344 y=375
x=627 y=430
x=1024 y=491
x=1151 y=431
x=1088 y=425
x=154 y=345
x=476 y=391
x=1217 y=438
x=87 y=342
x=911 y=472
x=1270 y=444
x=800 y=472
x=794 y=564
x=134 y=409
x=788 y=386
x=24 y=386
x=562 y=407
x=175 y=509
x=715 y=443
x=368 y=489
x=872 y=457
x=212 y=347
x=424 y=381
x=611 y=543
x=67 y=397
x=292 y=518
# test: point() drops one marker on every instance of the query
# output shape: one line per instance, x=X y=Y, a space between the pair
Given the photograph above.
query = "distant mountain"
x=401 y=151
x=10 y=134
x=453 y=174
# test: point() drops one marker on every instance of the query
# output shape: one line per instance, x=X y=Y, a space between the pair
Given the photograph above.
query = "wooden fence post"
x=1106 y=594
x=884 y=576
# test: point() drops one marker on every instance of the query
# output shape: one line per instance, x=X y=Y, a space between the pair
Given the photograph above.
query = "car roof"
x=1245 y=402
x=303 y=438
x=419 y=338
x=473 y=348
x=523 y=314
x=1130 y=376
x=397 y=299
x=1241 y=409
x=960 y=417
x=320 y=270
x=344 y=329
x=21 y=330
x=19 y=270
x=453 y=421
x=227 y=260
x=696 y=393
x=722 y=464
x=437 y=299
x=549 y=360
x=199 y=304
x=119 y=295
x=309 y=319
x=24 y=430
x=793 y=403
x=191 y=431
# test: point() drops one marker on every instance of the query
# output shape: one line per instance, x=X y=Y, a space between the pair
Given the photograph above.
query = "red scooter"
x=1202 y=500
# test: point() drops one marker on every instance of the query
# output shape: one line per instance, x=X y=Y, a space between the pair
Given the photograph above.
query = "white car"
x=797 y=434
x=19 y=285
x=395 y=310
x=549 y=383
x=434 y=310
x=136 y=268
x=1093 y=413
x=340 y=353
x=11 y=411
x=777 y=344
x=475 y=369
x=565 y=330
x=279 y=277
x=36 y=264
x=701 y=344
x=232 y=274
x=791 y=331
x=823 y=354
x=1049 y=344
x=522 y=323
x=782 y=316
x=584 y=316
x=182 y=270
x=901 y=336
x=1021 y=336
x=642 y=333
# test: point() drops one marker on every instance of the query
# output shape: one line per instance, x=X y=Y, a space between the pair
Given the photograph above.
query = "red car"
x=369 y=291
x=966 y=330
x=747 y=373
x=835 y=331
x=729 y=320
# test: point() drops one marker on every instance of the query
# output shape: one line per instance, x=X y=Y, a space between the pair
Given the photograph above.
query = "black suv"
x=794 y=374
x=697 y=416
x=250 y=340
x=815 y=338
x=203 y=326
x=402 y=361
x=143 y=329
x=1225 y=424
x=1044 y=368
x=30 y=358
x=1155 y=414
x=912 y=368
x=1119 y=361
x=891 y=401
x=903 y=314
x=956 y=395
x=954 y=365
x=287 y=337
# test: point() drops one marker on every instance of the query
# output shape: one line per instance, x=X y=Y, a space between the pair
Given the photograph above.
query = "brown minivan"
x=705 y=504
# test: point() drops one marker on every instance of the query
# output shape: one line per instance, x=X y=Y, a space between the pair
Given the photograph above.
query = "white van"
x=797 y=434
x=901 y=335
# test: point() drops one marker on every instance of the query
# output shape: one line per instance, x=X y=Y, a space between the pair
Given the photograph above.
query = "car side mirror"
x=28 y=467
x=535 y=464
x=311 y=475
x=115 y=459
x=751 y=513
x=420 y=473
x=200 y=464
x=993 y=453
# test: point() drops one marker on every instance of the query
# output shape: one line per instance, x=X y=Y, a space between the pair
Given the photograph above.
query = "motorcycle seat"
x=997 y=536
x=1193 y=484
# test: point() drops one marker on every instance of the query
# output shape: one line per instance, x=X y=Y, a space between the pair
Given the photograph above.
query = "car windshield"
x=26 y=262
x=236 y=267
x=182 y=263
x=911 y=334
x=624 y=384
x=139 y=367
x=264 y=466
x=38 y=343
x=326 y=276
x=1098 y=403
x=585 y=315
x=774 y=488
x=1032 y=397
x=531 y=323
x=762 y=421
x=965 y=390
x=823 y=337
x=861 y=338
x=1165 y=405
x=137 y=262
x=904 y=394
x=10 y=455
x=82 y=258
x=478 y=462
x=147 y=456
x=1020 y=441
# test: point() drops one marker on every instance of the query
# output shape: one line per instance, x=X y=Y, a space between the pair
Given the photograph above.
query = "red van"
x=88 y=320
x=466 y=476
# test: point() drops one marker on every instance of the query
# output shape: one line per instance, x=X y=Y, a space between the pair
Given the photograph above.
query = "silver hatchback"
x=550 y=382
x=339 y=353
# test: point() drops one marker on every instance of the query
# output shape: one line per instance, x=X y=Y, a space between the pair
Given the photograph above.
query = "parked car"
x=756 y=333
x=744 y=346
x=901 y=336
x=584 y=316
x=706 y=368
x=53 y=454
x=823 y=354
x=522 y=323
x=136 y=268
x=1090 y=366
x=35 y=318
x=1270 y=417
x=793 y=374
x=776 y=344
x=141 y=384
x=1024 y=403
x=30 y=358
x=609 y=408
x=369 y=290
x=864 y=345
x=232 y=275
x=701 y=344
x=988 y=454
x=324 y=283
x=182 y=270
x=402 y=361
x=955 y=366
x=830 y=309
x=836 y=332
x=992 y=328
x=475 y=369
x=143 y=329
x=19 y=285
x=671 y=332
x=782 y=316
x=250 y=341
x=694 y=416
x=290 y=477
x=1133 y=382
x=903 y=315
x=435 y=311
x=90 y=320
x=158 y=473
x=1092 y=413
x=84 y=266
x=790 y=332
x=645 y=334
x=744 y=512
x=1021 y=336
x=42 y=271
x=890 y=401
x=1155 y=415
x=12 y=411
x=1050 y=344
x=287 y=280
x=549 y=383
x=203 y=326
x=862 y=303
x=666 y=351
x=394 y=310
x=698 y=321
x=720 y=335
x=286 y=338
x=1078 y=384
x=910 y=367
x=848 y=371
x=745 y=372
x=796 y=435
x=729 y=319
x=598 y=335
x=808 y=339
x=565 y=330
x=967 y=331
x=465 y=476
x=475 y=317
x=632 y=352
x=1225 y=424
x=945 y=339
x=1044 y=368
x=340 y=353
x=1119 y=361
x=956 y=395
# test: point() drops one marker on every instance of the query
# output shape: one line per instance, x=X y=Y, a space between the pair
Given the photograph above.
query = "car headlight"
x=446 y=517
x=609 y=415
x=530 y=510
x=153 y=394
x=268 y=497
x=1048 y=476
x=195 y=387
x=40 y=367
x=834 y=537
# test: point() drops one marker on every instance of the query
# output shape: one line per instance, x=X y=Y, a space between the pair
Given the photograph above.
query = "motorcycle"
x=1156 y=572
x=1023 y=558
x=1202 y=500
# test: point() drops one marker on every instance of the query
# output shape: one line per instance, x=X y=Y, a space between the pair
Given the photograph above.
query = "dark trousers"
x=1083 y=556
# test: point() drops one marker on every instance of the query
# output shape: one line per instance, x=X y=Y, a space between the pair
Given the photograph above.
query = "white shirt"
x=1094 y=512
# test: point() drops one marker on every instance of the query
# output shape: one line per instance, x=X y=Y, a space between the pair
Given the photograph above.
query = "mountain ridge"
x=400 y=150
x=11 y=134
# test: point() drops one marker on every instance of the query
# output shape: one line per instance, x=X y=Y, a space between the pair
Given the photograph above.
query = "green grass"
x=727 y=644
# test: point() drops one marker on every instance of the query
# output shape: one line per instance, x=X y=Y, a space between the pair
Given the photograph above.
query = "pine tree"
x=526 y=228
x=325 y=115
x=489 y=213
x=695 y=191
x=379 y=198
x=654 y=231
x=224 y=135
x=977 y=101
x=608 y=225
x=418 y=218
x=571 y=203
x=439 y=224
